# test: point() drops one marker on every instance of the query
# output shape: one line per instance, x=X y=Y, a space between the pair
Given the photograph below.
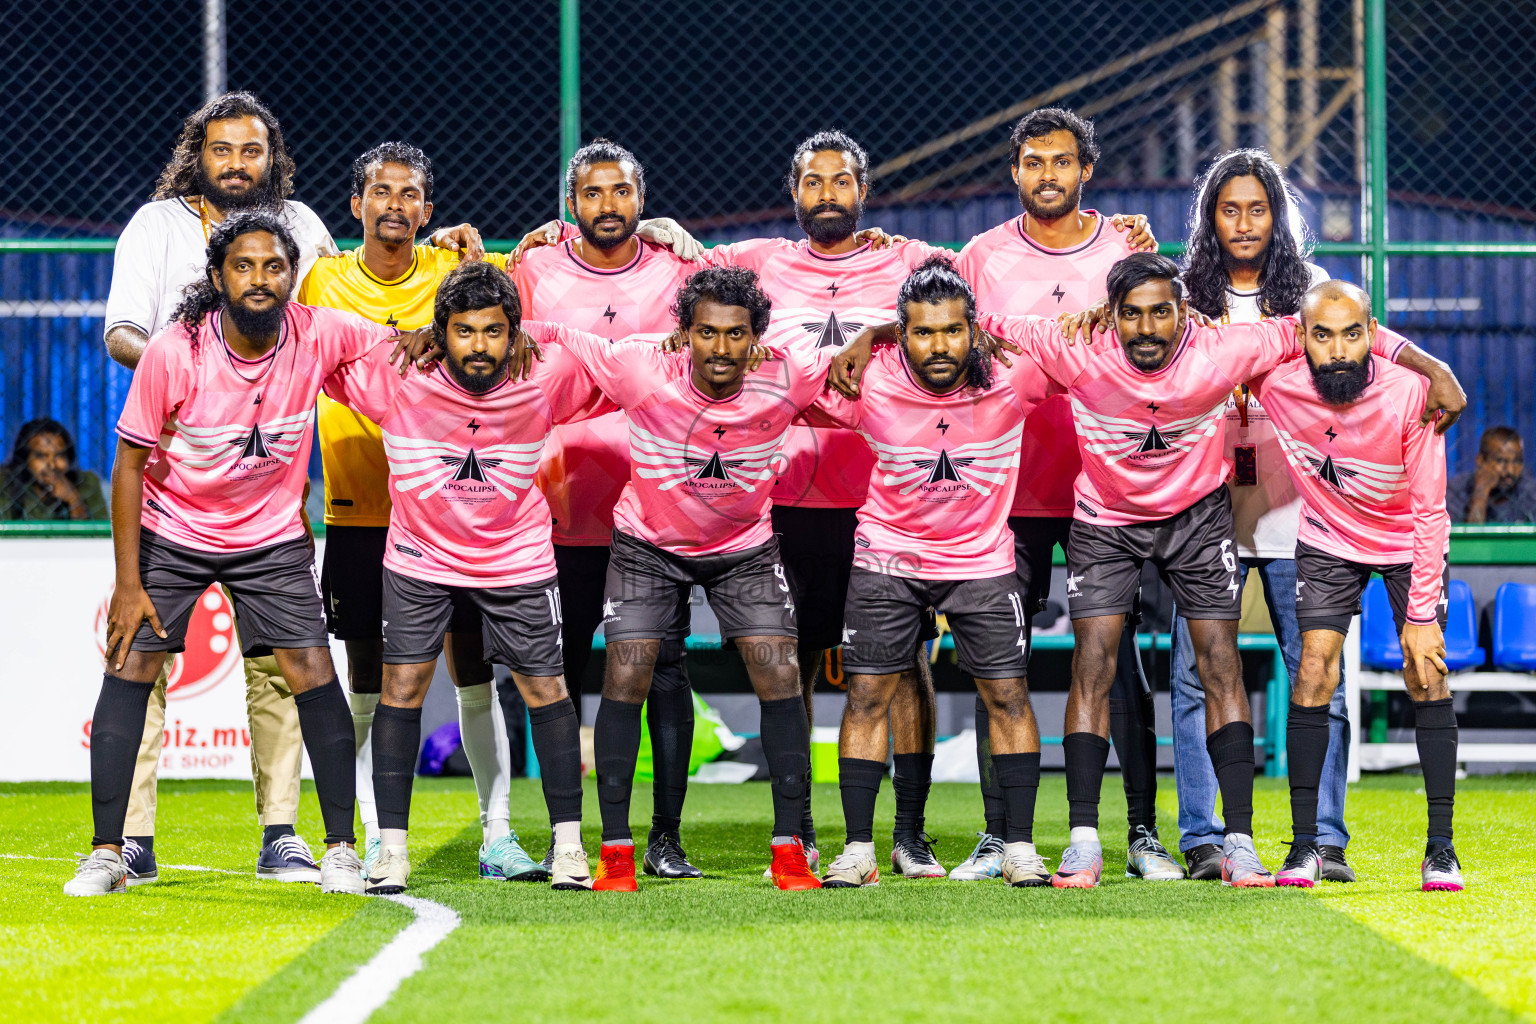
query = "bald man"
x=1371 y=475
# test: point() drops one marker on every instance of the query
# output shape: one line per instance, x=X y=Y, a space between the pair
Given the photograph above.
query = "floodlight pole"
x=215 y=60
x=1374 y=192
x=570 y=91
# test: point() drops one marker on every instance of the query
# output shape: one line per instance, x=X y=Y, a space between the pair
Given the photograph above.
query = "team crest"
x=1152 y=444
x=244 y=452
x=716 y=473
x=1351 y=478
x=948 y=474
x=461 y=475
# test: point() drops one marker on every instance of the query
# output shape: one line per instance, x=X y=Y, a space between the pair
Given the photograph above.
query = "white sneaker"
x=341 y=871
x=912 y=857
x=986 y=861
x=100 y=873
x=812 y=860
x=1022 y=867
x=390 y=872
x=854 y=868
x=568 y=867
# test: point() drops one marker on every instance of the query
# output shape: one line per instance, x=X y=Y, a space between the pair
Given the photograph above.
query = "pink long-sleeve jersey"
x=819 y=303
x=945 y=468
x=1153 y=444
x=1372 y=480
x=1013 y=274
x=586 y=464
x=231 y=437
x=702 y=469
x=464 y=511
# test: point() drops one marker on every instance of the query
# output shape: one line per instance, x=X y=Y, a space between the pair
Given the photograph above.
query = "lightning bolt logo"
x=608 y=311
x=1059 y=294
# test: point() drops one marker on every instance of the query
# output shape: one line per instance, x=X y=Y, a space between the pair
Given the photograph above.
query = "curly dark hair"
x=202 y=296
x=831 y=140
x=180 y=175
x=600 y=151
x=393 y=153
x=933 y=281
x=1284 y=277
x=728 y=286
x=471 y=286
x=1137 y=269
x=1039 y=123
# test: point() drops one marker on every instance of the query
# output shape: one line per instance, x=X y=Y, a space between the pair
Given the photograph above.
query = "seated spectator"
x=1497 y=491
x=41 y=481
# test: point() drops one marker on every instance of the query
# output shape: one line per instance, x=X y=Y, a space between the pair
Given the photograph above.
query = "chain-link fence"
x=713 y=98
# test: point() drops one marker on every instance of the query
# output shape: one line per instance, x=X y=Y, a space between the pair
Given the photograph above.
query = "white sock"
x=495 y=829
x=392 y=837
x=363 y=705
x=1085 y=834
x=865 y=848
x=1019 y=849
x=567 y=832
x=488 y=760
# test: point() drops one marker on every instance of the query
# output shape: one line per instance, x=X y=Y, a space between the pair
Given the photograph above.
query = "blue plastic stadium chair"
x=1514 y=628
x=1461 y=650
x=1379 y=648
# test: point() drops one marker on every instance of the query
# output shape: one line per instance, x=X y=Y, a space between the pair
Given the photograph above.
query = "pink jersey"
x=464 y=509
x=945 y=468
x=821 y=302
x=1372 y=480
x=702 y=469
x=231 y=438
x=586 y=464
x=1154 y=443
x=1013 y=274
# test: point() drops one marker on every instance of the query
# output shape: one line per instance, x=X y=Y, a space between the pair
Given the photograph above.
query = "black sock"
x=514 y=712
x=616 y=739
x=1019 y=777
x=669 y=713
x=1133 y=728
x=1086 y=755
x=1306 y=748
x=272 y=833
x=859 y=781
x=992 y=805
x=557 y=743
x=1231 y=750
x=807 y=824
x=117 y=727
x=914 y=776
x=396 y=743
x=1436 y=734
x=786 y=736
x=325 y=721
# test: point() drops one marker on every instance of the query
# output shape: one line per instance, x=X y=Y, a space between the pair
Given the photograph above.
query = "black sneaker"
x=287 y=859
x=548 y=863
x=140 y=861
x=1335 y=869
x=665 y=858
x=1204 y=862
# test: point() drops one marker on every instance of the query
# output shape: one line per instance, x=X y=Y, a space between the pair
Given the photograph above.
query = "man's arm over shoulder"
x=369 y=383
x=625 y=370
x=1043 y=345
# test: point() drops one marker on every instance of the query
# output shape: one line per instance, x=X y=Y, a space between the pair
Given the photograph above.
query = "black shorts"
x=1328 y=590
x=885 y=619
x=816 y=546
x=275 y=590
x=1194 y=552
x=648 y=589
x=521 y=625
x=1034 y=540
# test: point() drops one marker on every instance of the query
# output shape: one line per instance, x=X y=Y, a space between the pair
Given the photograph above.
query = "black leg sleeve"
x=616 y=738
x=1086 y=755
x=1231 y=750
x=669 y=713
x=396 y=742
x=325 y=720
x=117 y=726
x=859 y=782
x=1306 y=748
x=992 y=805
x=557 y=742
x=1436 y=734
x=1019 y=777
x=786 y=736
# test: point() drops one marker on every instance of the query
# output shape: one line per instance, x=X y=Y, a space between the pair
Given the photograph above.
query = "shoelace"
x=1246 y=859
x=1298 y=855
x=987 y=846
x=1444 y=859
x=1077 y=858
x=131 y=852
x=918 y=848
x=1033 y=863
x=292 y=847
x=92 y=864
x=1148 y=842
x=346 y=857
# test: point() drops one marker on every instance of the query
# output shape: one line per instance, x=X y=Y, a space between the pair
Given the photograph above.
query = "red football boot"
x=615 y=869
x=790 y=869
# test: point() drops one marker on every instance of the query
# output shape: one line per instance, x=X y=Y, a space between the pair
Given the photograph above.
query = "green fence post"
x=1376 y=151
x=570 y=89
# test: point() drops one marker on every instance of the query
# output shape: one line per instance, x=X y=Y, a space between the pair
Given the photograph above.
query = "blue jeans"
x=1192 y=771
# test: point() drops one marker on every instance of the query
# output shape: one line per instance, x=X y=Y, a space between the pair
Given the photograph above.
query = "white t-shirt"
x=162 y=250
x=1268 y=514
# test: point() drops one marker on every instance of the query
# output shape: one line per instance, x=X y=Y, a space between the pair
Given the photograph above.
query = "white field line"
x=371 y=986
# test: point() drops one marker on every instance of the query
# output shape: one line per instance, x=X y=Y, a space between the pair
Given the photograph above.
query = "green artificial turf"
x=202 y=946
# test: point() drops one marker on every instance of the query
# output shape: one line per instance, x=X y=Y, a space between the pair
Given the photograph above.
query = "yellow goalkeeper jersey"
x=351 y=447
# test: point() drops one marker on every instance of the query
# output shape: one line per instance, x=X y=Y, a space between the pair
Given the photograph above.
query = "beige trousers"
x=277 y=749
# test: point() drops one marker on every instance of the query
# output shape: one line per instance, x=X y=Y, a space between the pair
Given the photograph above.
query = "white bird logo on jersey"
x=425 y=466
x=985 y=463
x=232 y=444
x=832 y=333
x=1353 y=478
x=1119 y=438
x=674 y=463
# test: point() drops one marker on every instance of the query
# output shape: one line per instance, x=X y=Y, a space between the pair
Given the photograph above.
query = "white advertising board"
x=53 y=604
